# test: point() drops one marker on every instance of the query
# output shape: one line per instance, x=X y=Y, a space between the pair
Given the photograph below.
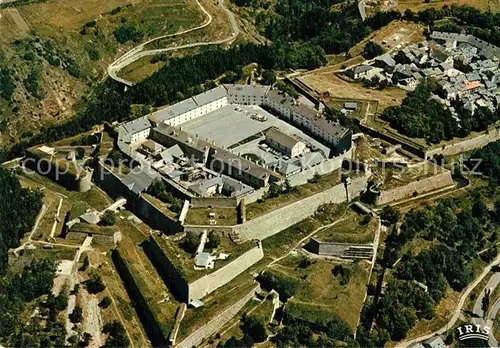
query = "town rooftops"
x=138 y=182
x=434 y=342
x=256 y=91
x=173 y=111
x=386 y=59
x=362 y=68
x=183 y=137
x=239 y=163
x=172 y=153
x=276 y=135
x=280 y=97
x=486 y=49
x=210 y=96
x=285 y=168
x=137 y=125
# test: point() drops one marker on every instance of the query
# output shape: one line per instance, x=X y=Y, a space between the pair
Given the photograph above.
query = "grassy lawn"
x=216 y=303
x=153 y=289
x=321 y=290
x=122 y=309
x=276 y=245
x=223 y=216
x=160 y=205
x=325 y=182
x=354 y=229
x=184 y=261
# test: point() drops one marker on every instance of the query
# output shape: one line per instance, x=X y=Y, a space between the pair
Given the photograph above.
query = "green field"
x=353 y=229
x=319 y=289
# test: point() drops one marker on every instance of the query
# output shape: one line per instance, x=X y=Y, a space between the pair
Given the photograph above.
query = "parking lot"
x=228 y=127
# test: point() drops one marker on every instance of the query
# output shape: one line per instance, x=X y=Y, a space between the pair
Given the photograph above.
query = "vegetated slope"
x=52 y=51
x=459 y=228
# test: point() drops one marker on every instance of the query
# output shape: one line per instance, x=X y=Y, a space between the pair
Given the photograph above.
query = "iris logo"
x=468 y=332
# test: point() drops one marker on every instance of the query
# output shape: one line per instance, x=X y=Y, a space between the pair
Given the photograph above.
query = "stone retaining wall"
x=420 y=186
x=486 y=137
x=214 y=325
x=219 y=202
x=276 y=221
x=207 y=284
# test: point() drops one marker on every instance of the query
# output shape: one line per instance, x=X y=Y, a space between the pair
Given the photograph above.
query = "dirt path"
x=93 y=322
x=18 y=19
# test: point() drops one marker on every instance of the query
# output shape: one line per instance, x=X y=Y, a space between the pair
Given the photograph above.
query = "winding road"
x=456 y=314
x=139 y=51
x=478 y=308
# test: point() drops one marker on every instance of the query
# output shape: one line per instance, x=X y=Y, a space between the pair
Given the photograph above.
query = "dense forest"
x=419 y=116
x=315 y=22
x=18 y=210
x=455 y=229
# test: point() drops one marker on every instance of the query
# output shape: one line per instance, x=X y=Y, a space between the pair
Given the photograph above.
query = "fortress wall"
x=219 y=202
x=109 y=182
x=144 y=311
x=267 y=225
x=323 y=168
x=214 y=325
x=60 y=175
x=479 y=141
x=172 y=277
x=420 y=186
x=207 y=284
x=154 y=217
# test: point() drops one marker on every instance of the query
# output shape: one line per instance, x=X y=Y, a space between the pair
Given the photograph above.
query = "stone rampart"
x=207 y=284
x=417 y=187
x=267 y=225
x=214 y=325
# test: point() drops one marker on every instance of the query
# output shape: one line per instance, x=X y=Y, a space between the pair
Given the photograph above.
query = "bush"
x=105 y=302
x=94 y=53
x=372 y=50
x=108 y=218
x=95 y=285
x=117 y=336
x=213 y=240
x=80 y=152
x=128 y=32
x=255 y=328
x=389 y=215
x=342 y=274
x=190 y=242
x=77 y=315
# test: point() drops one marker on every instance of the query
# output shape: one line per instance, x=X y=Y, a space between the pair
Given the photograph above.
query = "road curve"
x=139 y=52
x=456 y=314
x=478 y=308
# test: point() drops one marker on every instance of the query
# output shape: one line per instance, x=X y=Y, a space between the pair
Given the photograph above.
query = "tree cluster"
x=16 y=290
x=159 y=189
x=18 y=210
x=419 y=116
x=460 y=228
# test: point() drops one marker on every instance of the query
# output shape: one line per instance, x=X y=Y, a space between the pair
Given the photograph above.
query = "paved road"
x=478 y=308
x=456 y=314
x=139 y=52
